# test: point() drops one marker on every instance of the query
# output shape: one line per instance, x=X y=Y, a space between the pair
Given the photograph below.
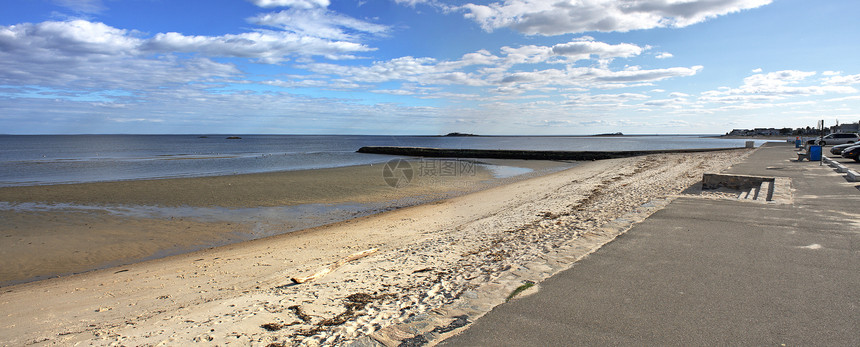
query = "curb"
x=852 y=176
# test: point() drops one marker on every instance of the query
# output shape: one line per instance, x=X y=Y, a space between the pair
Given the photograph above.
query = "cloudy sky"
x=426 y=66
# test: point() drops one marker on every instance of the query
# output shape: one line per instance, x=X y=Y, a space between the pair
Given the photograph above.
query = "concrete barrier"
x=521 y=154
x=853 y=176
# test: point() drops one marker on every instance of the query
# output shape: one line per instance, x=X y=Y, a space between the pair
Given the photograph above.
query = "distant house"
x=846 y=128
x=766 y=131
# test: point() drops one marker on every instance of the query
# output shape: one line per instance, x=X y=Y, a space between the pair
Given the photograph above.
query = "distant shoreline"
x=759 y=137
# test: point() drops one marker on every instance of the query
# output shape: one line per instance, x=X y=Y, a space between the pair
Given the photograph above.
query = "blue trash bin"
x=814 y=153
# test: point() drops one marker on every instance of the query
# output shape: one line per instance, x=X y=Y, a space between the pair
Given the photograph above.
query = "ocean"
x=56 y=159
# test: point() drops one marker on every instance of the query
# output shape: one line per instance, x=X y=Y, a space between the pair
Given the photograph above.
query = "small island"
x=454 y=134
x=610 y=134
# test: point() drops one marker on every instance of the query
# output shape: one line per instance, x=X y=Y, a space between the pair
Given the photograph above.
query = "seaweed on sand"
x=520 y=289
x=354 y=303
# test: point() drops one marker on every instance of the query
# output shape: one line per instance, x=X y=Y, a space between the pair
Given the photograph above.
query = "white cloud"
x=838 y=80
x=846 y=98
x=529 y=54
x=664 y=55
x=72 y=38
x=580 y=50
x=318 y=22
x=412 y=3
x=305 y=4
x=265 y=45
x=82 y=6
x=636 y=74
x=75 y=59
x=556 y=17
x=773 y=86
x=603 y=100
x=84 y=54
x=508 y=73
x=423 y=71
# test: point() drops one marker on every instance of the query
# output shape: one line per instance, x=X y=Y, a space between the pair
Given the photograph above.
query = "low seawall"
x=521 y=154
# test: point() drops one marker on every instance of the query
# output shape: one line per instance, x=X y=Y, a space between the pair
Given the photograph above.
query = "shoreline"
x=430 y=256
x=59 y=230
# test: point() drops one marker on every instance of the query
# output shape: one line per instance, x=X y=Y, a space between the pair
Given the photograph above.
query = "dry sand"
x=439 y=265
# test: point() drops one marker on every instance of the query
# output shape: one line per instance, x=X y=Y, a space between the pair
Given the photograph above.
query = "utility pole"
x=820 y=139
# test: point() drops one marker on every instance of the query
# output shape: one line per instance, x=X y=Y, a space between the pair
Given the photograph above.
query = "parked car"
x=835 y=139
x=852 y=152
x=837 y=150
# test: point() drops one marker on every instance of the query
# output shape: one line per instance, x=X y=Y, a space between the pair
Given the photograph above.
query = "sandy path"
x=432 y=259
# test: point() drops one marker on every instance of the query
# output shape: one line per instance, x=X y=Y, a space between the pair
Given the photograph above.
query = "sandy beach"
x=452 y=257
x=63 y=229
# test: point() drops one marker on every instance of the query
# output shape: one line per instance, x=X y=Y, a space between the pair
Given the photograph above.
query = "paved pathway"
x=709 y=272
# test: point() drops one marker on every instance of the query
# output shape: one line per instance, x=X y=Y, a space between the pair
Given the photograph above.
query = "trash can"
x=750 y=144
x=814 y=153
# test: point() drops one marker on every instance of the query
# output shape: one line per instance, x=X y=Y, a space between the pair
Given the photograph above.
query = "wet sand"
x=63 y=229
x=345 y=184
x=438 y=261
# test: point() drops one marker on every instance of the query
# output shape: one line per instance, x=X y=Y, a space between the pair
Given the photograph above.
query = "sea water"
x=53 y=159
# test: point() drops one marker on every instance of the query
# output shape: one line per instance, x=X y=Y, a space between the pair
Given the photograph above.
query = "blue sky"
x=426 y=66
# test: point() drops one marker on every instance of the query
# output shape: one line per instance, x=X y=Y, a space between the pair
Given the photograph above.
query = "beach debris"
x=299 y=313
x=354 y=303
x=520 y=289
x=278 y=326
x=335 y=266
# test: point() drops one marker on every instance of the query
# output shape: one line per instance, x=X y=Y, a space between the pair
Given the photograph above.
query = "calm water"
x=51 y=159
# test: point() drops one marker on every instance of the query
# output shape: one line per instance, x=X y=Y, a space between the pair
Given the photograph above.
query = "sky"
x=413 y=67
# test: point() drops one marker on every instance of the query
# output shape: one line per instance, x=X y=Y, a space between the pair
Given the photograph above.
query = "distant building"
x=846 y=128
x=766 y=131
x=808 y=131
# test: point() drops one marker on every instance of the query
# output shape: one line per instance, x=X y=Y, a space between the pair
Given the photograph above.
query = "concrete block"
x=853 y=176
x=740 y=182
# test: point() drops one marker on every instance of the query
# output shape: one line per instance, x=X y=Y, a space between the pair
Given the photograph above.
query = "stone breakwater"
x=522 y=154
